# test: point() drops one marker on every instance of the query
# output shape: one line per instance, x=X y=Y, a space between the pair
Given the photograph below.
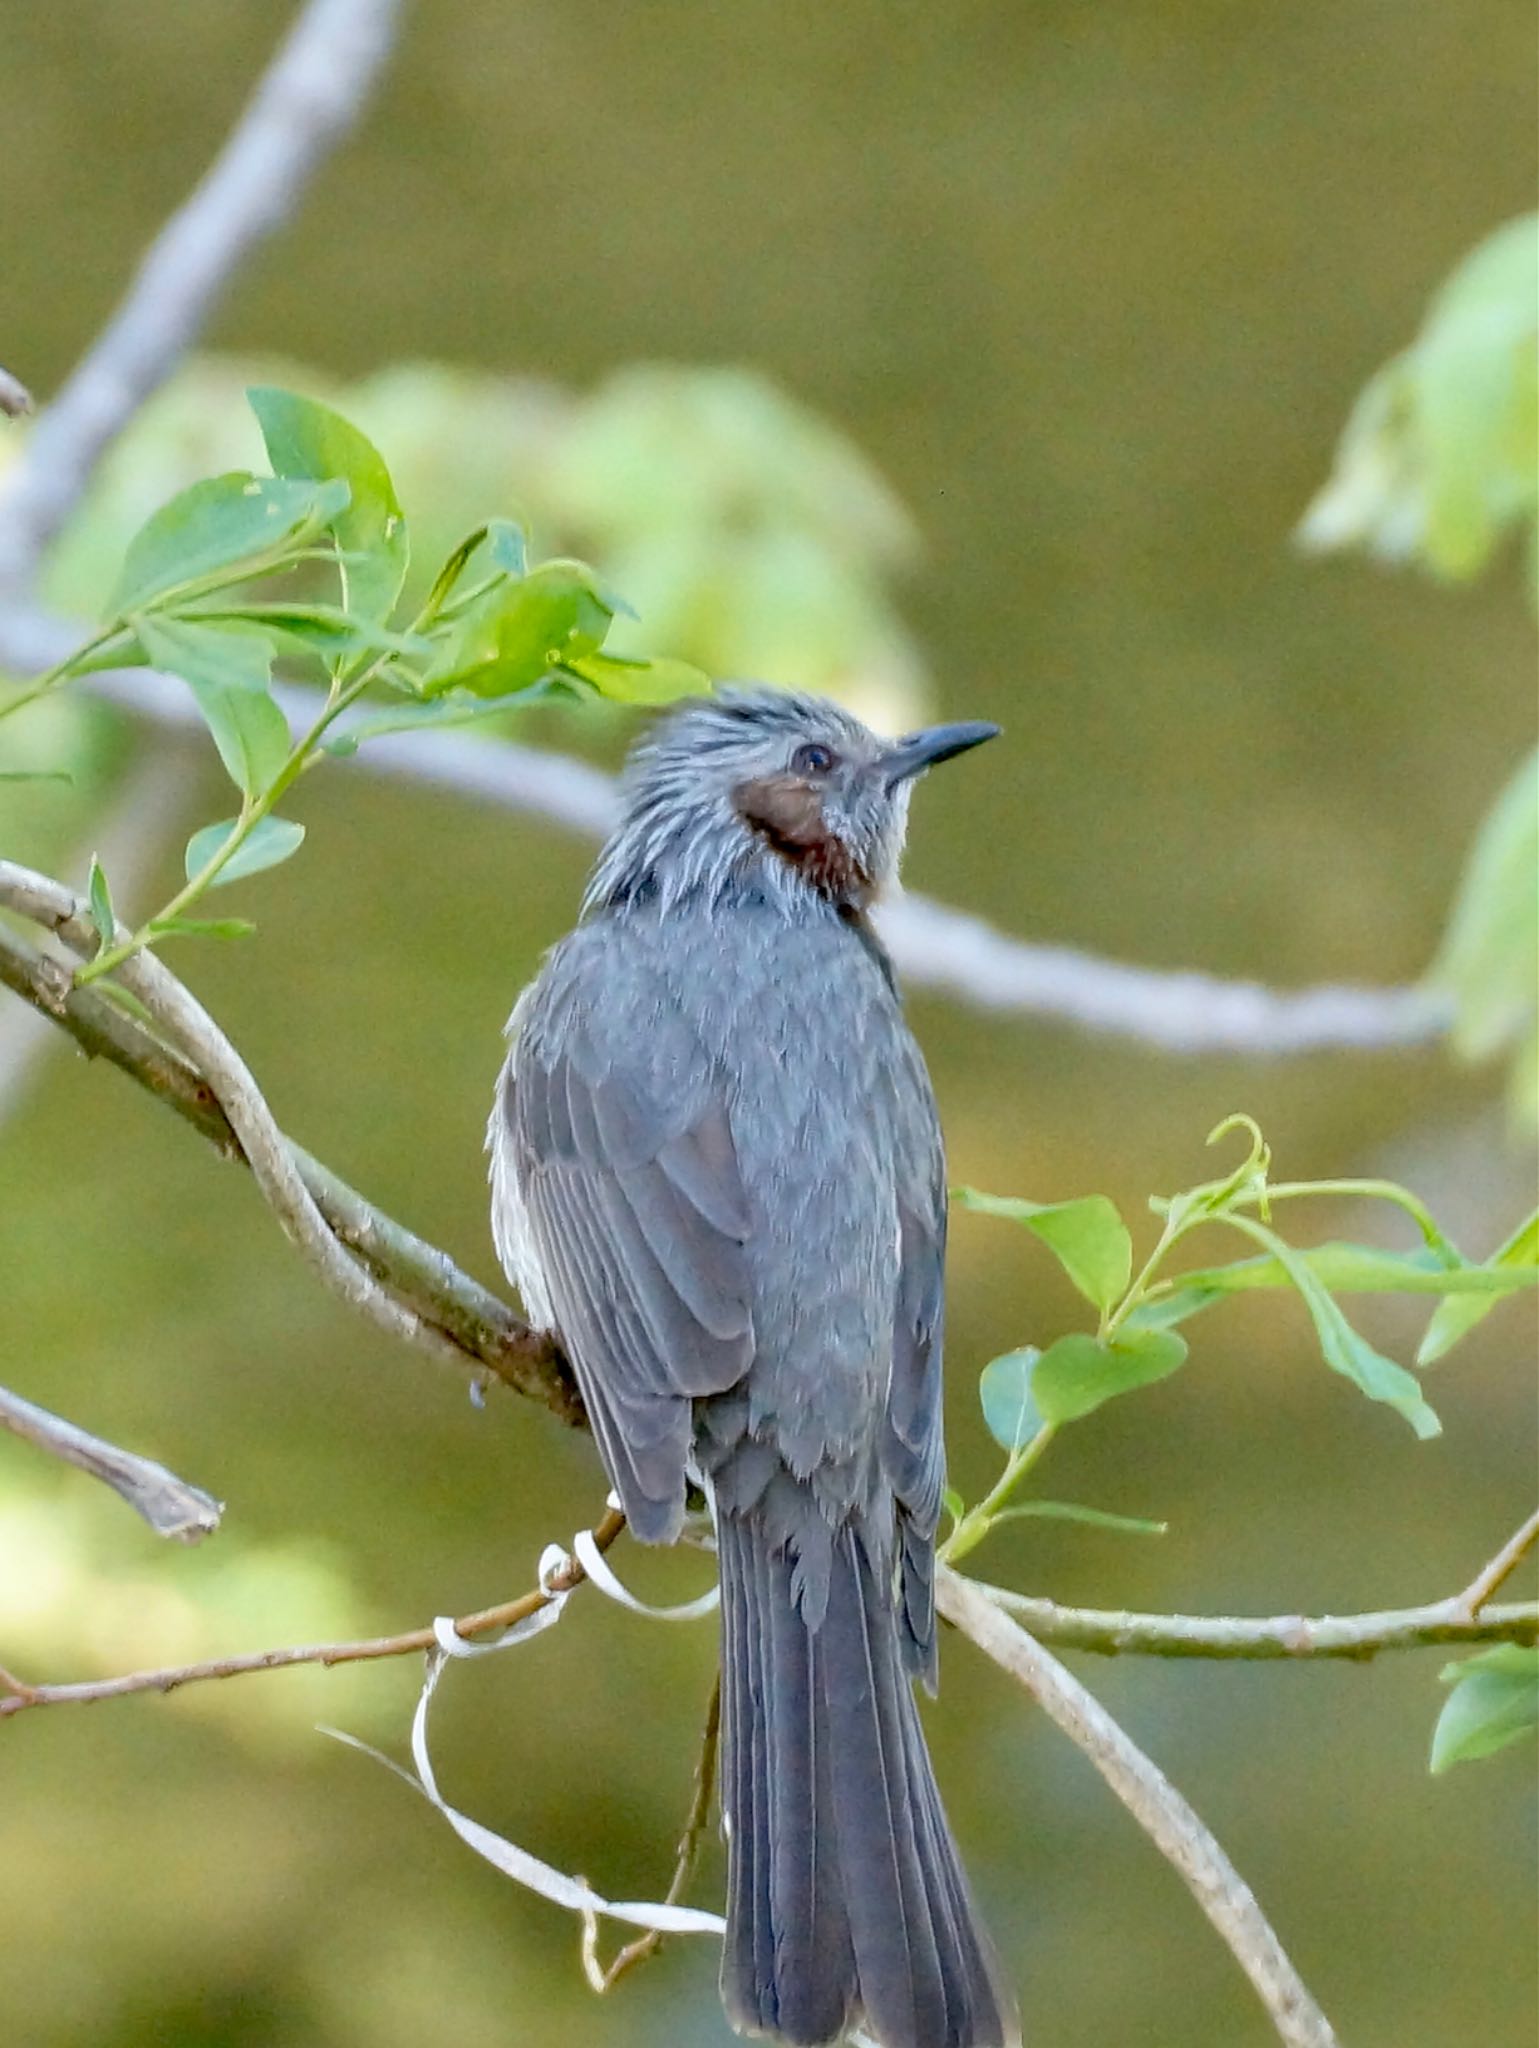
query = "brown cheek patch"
x=788 y=812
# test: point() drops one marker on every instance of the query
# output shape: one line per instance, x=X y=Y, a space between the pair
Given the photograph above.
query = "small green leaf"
x=437 y=711
x=1164 y=1311
x=628 y=680
x=270 y=841
x=35 y=775
x=1087 y=1236
x=1495 y=1700
x=1517 y=1260
x=201 y=928
x=101 y=904
x=1071 y=1511
x=1343 y=1349
x=218 y=524
x=307 y=439
x=1077 y=1374
x=323 y=629
x=1004 y=1388
x=1361 y=1269
x=953 y=1503
x=518 y=631
x=227 y=671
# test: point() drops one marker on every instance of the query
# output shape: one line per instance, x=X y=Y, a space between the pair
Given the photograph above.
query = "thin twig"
x=1165 y=1816
x=1354 y=1636
x=603 y=1978
x=311 y=95
x=1472 y=1601
x=935 y=947
x=428 y=1297
x=170 y=1506
x=19 y=1694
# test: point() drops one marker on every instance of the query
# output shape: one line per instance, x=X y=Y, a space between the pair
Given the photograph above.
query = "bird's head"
x=770 y=781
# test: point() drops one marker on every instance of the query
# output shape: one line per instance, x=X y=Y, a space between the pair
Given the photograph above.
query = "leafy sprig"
x=1030 y=1393
x=195 y=598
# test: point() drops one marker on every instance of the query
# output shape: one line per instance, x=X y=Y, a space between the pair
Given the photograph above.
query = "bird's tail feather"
x=846 y=1901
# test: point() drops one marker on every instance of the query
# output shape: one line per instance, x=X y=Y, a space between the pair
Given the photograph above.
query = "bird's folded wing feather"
x=624 y=1155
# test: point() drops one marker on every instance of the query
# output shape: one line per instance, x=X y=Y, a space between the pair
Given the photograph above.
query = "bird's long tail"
x=846 y=1901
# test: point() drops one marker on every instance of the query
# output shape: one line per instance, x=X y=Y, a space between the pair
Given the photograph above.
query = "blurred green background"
x=1094 y=290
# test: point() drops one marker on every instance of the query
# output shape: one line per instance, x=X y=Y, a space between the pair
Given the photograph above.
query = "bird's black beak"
x=908 y=758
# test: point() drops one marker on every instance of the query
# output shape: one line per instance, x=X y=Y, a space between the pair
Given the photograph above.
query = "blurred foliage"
x=1439 y=464
x=1495 y=1700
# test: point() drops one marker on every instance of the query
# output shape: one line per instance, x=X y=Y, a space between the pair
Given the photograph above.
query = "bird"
x=718 y=1177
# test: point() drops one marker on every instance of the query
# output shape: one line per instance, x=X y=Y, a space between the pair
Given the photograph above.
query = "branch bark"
x=170 y=1506
x=1160 y=1810
x=1298 y=1636
x=314 y=90
x=407 y=1285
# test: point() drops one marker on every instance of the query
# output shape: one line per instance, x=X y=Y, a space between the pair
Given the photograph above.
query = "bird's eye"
x=813 y=759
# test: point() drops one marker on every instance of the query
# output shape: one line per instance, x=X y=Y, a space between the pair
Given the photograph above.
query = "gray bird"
x=717 y=1174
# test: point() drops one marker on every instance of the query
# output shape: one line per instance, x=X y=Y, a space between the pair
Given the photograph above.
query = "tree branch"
x=934 y=946
x=1355 y=1636
x=1491 y=1577
x=312 y=93
x=429 y=1299
x=168 y=1504
x=19 y=1695
x=1160 y=1810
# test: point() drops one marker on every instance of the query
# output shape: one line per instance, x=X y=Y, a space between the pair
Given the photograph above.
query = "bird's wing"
x=623 y=1154
x=913 y=1442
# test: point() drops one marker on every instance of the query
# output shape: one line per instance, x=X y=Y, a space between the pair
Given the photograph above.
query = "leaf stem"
x=975 y=1524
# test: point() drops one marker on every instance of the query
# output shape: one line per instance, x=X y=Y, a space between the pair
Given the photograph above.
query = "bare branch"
x=934 y=946
x=1472 y=1601
x=168 y=1504
x=1165 y=1816
x=1299 y=1636
x=603 y=1977
x=354 y=1244
x=15 y=398
x=311 y=95
x=18 y=1695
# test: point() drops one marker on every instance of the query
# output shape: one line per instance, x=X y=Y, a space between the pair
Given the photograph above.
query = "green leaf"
x=1078 y=1374
x=953 y=1503
x=35 y=775
x=228 y=672
x=1004 y=1388
x=1343 y=1349
x=1495 y=1700
x=270 y=841
x=1071 y=1511
x=437 y=711
x=630 y=680
x=518 y=631
x=1360 y=1269
x=1087 y=1236
x=100 y=897
x=1489 y=958
x=322 y=629
x=217 y=524
x=201 y=928
x=306 y=439
x=1164 y=1311
x=1517 y=1259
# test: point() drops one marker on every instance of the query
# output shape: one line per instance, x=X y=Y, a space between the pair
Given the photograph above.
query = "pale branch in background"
x=934 y=947
x=15 y=398
x=1472 y=1602
x=310 y=96
x=407 y=1286
x=1160 y=1810
x=168 y=1504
